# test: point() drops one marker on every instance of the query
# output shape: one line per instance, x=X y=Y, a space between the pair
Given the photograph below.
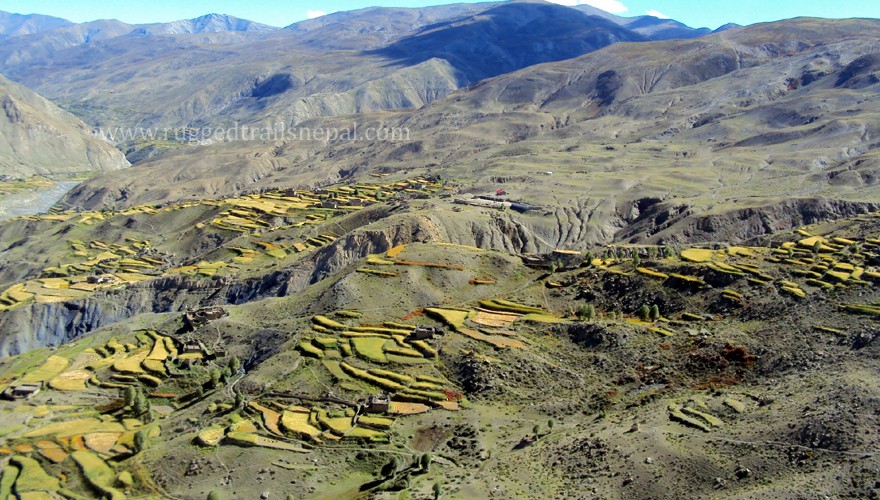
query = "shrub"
x=654 y=314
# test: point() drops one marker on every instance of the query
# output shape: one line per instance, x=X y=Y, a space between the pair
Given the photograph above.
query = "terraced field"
x=84 y=267
x=601 y=359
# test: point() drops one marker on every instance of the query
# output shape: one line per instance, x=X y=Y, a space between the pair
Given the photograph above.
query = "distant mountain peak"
x=651 y=27
x=728 y=26
x=208 y=23
x=28 y=24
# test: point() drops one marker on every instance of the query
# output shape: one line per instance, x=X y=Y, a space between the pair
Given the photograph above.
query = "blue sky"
x=696 y=13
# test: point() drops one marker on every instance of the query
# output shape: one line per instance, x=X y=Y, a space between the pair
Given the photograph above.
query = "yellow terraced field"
x=159 y=351
x=494 y=319
x=698 y=255
x=452 y=317
x=131 y=364
x=270 y=417
x=53 y=366
x=69 y=428
x=298 y=423
x=370 y=348
x=394 y=252
x=74 y=380
x=101 y=442
x=211 y=436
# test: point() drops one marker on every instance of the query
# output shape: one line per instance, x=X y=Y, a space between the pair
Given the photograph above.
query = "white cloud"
x=657 y=13
x=315 y=13
x=612 y=6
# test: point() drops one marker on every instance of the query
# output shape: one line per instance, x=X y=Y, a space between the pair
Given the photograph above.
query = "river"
x=33 y=202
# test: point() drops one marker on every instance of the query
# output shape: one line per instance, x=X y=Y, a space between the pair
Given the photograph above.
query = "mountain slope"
x=18 y=24
x=625 y=71
x=649 y=268
x=421 y=55
x=633 y=134
x=375 y=27
x=753 y=372
x=508 y=37
x=38 y=138
x=655 y=28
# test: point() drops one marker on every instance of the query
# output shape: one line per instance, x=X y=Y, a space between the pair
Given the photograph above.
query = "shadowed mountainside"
x=508 y=37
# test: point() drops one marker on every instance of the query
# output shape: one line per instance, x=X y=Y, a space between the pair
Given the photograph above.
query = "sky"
x=695 y=13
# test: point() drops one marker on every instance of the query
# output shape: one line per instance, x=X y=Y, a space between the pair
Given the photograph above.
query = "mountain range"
x=635 y=133
x=342 y=63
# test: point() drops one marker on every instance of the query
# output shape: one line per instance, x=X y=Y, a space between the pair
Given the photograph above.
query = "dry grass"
x=75 y=427
x=494 y=319
x=51 y=368
x=68 y=428
x=380 y=382
x=298 y=423
x=401 y=408
x=698 y=255
x=211 y=436
x=270 y=417
x=328 y=323
x=54 y=455
x=101 y=442
x=32 y=479
x=74 y=380
x=131 y=364
x=452 y=317
x=159 y=351
x=155 y=366
x=246 y=439
x=97 y=472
